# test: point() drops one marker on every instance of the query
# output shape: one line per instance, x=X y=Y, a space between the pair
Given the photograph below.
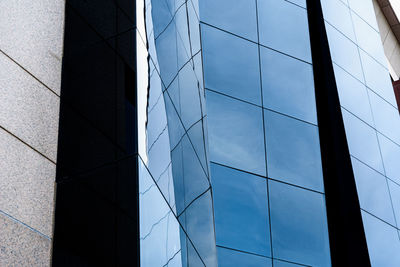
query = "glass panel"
x=293 y=152
x=369 y=39
x=353 y=95
x=241 y=210
x=344 y=52
x=373 y=192
x=362 y=141
x=229 y=258
x=159 y=229
x=288 y=85
x=365 y=9
x=299 y=226
x=391 y=157
x=235 y=133
x=338 y=15
x=301 y=3
x=377 y=78
x=284 y=264
x=231 y=69
x=387 y=119
x=284 y=26
x=395 y=194
x=239 y=18
x=382 y=240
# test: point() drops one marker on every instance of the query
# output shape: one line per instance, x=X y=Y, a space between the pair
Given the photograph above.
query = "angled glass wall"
x=176 y=208
x=371 y=120
x=265 y=160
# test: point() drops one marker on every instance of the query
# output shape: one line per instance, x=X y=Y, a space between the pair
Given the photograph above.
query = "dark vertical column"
x=346 y=231
x=96 y=217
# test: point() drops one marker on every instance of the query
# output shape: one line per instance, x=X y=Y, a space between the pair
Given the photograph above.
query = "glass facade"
x=371 y=120
x=211 y=145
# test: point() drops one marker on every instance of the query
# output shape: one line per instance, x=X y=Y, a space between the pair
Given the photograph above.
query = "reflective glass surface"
x=231 y=69
x=235 y=133
x=377 y=78
x=241 y=210
x=288 y=85
x=391 y=156
x=338 y=14
x=293 y=153
x=362 y=141
x=353 y=94
x=395 y=194
x=239 y=18
x=365 y=10
x=387 y=119
x=344 y=52
x=278 y=263
x=373 y=192
x=229 y=258
x=284 y=26
x=298 y=224
x=382 y=240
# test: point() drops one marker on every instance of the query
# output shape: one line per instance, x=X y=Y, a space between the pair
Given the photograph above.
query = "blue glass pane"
x=377 y=78
x=369 y=39
x=344 y=52
x=353 y=94
x=284 y=26
x=159 y=229
x=338 y=15
x=299 y=226
x=395 y=194
x=387 y=119
x=235 y=133
x=301 y=3
x=382 y=240
x=288 y=85
x=278 y=263
x=231 y=69
x=293 y=152
x=391 y=156
x=241 y=210
x=362 y=141
x=373 y=192
x=239 y=18
x=365 y=10
x=229 y=258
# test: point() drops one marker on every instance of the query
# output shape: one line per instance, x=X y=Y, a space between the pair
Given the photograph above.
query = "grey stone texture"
x=20 y=246
x=27 y=181
x=32 y=34
x=28 y=109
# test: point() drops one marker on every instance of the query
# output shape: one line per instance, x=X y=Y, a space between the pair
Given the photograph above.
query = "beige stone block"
x=20 y=246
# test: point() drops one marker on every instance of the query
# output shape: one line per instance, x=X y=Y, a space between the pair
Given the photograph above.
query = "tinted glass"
x=362 y=141
x=391 y=156
x=239 y=18
x=353 y=94
x=377 y=78
x=231 y=65
x=293 y=153
x=288 y=85
x=387 y=119
x=241 y=210
x=229 y=258
x=365 y=10
x=382 y=240
x=284 y=26
x=373 y=192
x=235 y=133
x=395 y=194
x=344 y=52
x=278 y=263
x=338 y=14
x=299 y=226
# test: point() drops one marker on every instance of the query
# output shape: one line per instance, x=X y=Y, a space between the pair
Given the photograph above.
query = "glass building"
x=200 y=133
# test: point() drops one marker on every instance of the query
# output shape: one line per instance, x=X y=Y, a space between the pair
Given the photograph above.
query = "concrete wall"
x=31 y=46
x=389 y=39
